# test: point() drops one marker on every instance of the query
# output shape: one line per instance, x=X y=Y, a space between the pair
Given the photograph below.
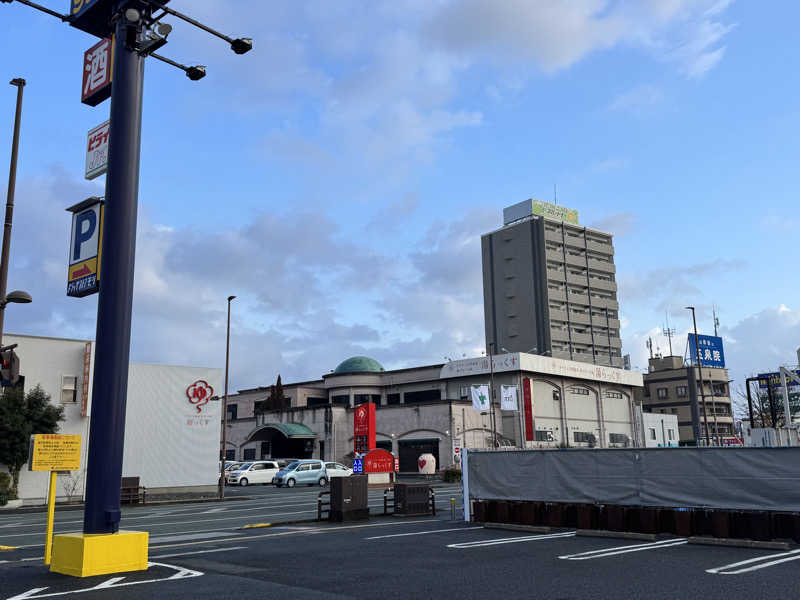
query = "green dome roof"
x=359 y=364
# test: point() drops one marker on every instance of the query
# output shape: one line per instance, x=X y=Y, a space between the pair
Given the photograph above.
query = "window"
x=541 y=435
x=662 y=393
x=651 y=432
x=341 y=400
x=249 y=454
x=69 y=389
x=681 y=391
x=618 y=438
x=583 y=437
x=360 y=399
x=671 y=434
x=719 y=389
x=257 y=466
x=422 y=396
x=392 y=398
x=316 y=401
x=232 y=409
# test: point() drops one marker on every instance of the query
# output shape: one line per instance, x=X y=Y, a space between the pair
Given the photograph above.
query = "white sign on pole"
x=508 y=397
x=97 y=151
x=480 y=397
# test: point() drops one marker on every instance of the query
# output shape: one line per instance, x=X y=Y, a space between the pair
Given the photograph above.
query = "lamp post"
x=12 y=186
x=700 y=373
x=225 y=405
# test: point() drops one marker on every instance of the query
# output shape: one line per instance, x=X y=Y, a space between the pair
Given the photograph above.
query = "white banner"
x=508 y=397
x=480 y=397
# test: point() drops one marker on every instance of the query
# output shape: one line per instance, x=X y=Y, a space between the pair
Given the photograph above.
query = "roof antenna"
x=555 y=194
x=669 y=332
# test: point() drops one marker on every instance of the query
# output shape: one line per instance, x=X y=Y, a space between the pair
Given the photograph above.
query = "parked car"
x=259 y=471
x=335 y=469
x=229 y=466
x=310 y=472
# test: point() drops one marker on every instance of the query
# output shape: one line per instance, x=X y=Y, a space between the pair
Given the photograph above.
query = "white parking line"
x=199 y=552
x=191 y=536
x=791 y=555
x=380 y=537
x=511 y=540
x=603 y=552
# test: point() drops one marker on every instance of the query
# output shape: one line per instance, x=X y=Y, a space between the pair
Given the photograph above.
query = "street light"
x=700 y=373
x=17 y=297
x=225 y=405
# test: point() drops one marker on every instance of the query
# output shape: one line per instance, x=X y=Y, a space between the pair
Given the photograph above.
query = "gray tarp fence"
x=732 y=478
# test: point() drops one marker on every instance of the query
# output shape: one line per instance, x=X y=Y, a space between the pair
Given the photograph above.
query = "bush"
x=452 y=475
x=5 y=488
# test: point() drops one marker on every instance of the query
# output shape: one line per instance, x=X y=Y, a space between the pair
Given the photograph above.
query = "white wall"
x=168 y=442
x=660 y=425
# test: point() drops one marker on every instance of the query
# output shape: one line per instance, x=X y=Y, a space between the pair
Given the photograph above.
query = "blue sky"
x=338 y=177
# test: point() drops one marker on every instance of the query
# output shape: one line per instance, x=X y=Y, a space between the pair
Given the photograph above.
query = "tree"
x=22 y=415
x=276 y=399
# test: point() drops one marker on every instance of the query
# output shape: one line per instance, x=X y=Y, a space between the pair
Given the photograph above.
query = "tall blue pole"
x=107 y=429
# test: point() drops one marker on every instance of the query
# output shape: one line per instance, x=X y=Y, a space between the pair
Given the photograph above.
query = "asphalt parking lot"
x=392 y=557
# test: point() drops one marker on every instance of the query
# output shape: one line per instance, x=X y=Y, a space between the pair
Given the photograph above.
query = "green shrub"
x=452 y=475
x=5 y=488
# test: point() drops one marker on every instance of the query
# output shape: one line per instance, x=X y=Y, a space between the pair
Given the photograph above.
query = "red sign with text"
x=379 y=461
x=526 y=395
x=364 y=428
x=96 y=73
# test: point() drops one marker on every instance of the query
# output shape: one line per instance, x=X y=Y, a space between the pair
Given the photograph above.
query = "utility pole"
x=12 y=186
x=700 y=374
x=225 y=405
x=491 y=396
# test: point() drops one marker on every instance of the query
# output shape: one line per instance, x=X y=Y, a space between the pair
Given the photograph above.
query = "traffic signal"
x=9 y=368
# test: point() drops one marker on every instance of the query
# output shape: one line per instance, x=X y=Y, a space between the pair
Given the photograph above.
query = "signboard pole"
x=107 y=429
x=51 y=509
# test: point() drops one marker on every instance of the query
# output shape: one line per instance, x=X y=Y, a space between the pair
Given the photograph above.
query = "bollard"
x=452 y=508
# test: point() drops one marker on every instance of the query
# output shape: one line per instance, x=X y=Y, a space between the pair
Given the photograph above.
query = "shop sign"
x=96 y=85
x=97 y=151
x=86 y=242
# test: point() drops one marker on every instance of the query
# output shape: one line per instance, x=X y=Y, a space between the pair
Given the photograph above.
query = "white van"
x=258 y=471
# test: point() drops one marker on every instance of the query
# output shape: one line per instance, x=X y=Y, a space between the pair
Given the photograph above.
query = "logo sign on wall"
x=85 y=246
x=97 y=151
x=508 y=397
x=97 y=62
x=198 y=395
x=711 y=352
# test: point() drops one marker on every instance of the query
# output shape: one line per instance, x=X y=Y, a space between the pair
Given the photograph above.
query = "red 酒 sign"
x=96 y=73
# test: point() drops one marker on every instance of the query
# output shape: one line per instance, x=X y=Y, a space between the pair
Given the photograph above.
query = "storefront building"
x=429 y=409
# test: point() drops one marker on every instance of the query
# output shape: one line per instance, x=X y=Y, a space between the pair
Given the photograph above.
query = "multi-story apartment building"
x=549 y=286
x=672 y=388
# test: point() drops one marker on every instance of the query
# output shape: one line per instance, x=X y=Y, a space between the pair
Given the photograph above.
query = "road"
x=199 y=554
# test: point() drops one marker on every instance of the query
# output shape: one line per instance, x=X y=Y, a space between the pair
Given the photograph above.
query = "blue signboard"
x=711 y=352
x=774 y=380
x=358 y=465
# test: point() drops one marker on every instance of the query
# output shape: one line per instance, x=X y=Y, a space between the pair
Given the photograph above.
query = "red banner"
x=528 y=407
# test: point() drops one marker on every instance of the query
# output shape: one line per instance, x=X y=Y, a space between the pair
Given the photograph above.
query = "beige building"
x=672 y=388
x=428 y=409
x=549 y=288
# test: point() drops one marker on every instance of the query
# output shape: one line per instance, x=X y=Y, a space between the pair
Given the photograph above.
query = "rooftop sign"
x=539 y=208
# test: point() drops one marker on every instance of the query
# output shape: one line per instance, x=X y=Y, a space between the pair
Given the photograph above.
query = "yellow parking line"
x=8 y=548
x=256 y=525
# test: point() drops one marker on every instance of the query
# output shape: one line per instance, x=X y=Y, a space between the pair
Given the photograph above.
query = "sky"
x=337 y=179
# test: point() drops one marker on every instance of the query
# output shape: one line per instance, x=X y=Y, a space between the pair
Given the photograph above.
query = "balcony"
x=558 y=315
x=560 y=335
x=554 y=255
x=576 y=279
x=602 y=284
x=553 y=236
x=598 y=247
x=601 y=265
x=581 y=338
x=557 y=295
x=577 y=317
x=605 y=303
x=582 y=299
x=577 y=261
x=616 y=342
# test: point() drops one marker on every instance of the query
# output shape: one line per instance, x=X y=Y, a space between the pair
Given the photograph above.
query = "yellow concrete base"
x=87 y=554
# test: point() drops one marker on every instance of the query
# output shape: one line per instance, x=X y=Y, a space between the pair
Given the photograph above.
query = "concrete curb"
x=516 y=527
x=628 y=535
x=709 y=541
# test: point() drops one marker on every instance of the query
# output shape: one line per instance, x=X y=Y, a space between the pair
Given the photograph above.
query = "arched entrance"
x=281 y=440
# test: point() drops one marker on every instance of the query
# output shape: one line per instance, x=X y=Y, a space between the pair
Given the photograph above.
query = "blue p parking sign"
x=83 y=274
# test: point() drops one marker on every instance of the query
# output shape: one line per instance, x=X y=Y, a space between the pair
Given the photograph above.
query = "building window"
x=662 y=393
x=232 y=409
x=341 y=400
x=670 y=434
x=360 y=399
x=618 y=438
x=720 y=389
x=682 y=391
x=579 y=390
x=541 y=435
x=316 y=401
x=392 y=398
x=583 y=437
x=651 y=432
x=249 y=454
x=69 y=389
x=230 y=455
x=423 y=396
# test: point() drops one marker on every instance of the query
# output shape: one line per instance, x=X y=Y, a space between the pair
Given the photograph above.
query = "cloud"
x=639 y=100
x=614 y=163
x=617 y=224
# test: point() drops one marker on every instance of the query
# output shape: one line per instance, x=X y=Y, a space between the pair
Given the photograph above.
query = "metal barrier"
x=390 y=502
x=320 y=504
